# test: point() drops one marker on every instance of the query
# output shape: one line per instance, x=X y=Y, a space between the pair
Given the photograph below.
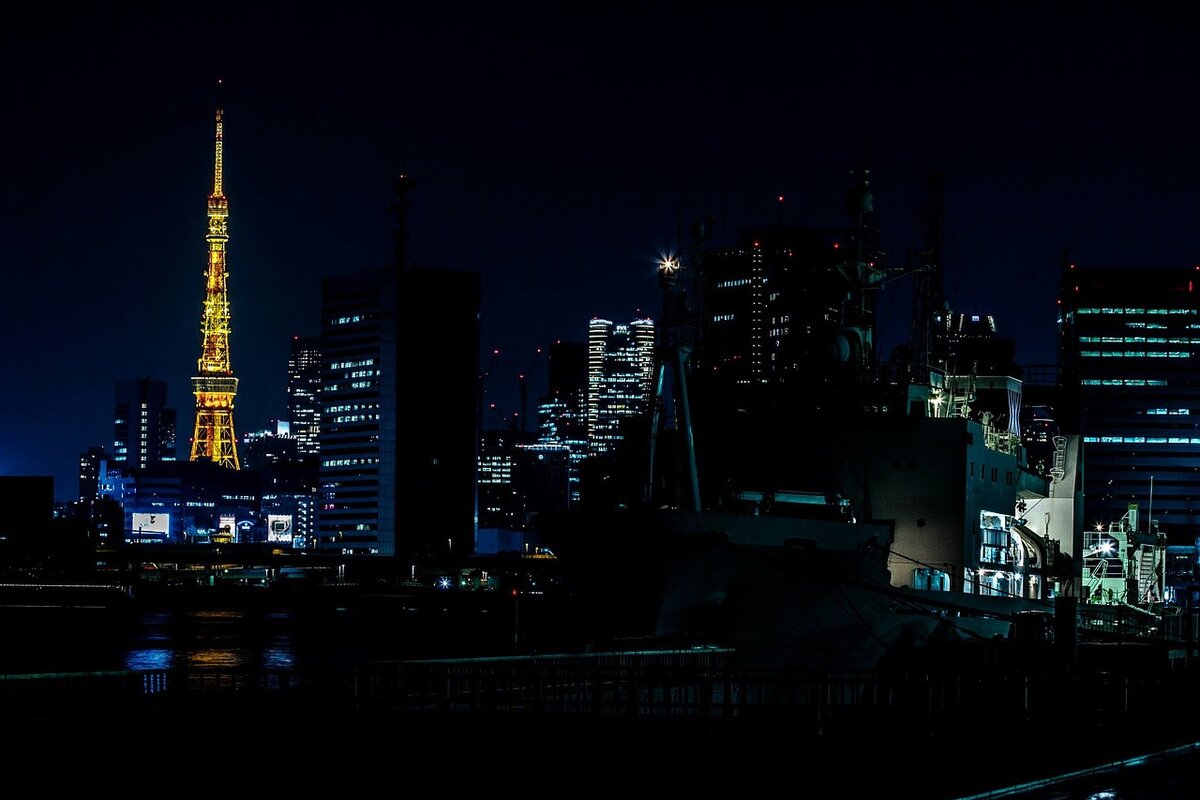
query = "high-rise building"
x=1130 y=371
x=143 y=425
x=397 y=467
x=304 y=389
x=357 y=440
x=89 y=472
x=562 y=416
x=214 y=385
x=620 y=375
x=437 y=435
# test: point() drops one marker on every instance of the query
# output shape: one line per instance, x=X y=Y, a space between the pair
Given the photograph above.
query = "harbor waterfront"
x=406 y=670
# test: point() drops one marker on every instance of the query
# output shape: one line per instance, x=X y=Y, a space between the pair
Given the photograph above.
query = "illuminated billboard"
x=149 y=527
x=279 y=528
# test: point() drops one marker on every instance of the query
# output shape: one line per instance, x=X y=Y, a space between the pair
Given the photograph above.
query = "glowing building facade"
x=620 y=376
x=1130 y=357
x=214 y=385
x=303 y=390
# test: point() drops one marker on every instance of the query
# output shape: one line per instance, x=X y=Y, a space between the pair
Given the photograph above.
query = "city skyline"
x=554 y=162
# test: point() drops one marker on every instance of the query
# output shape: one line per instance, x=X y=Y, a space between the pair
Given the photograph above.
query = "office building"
x=620 y=375
x=143 y=425
x=1130 y=372
x=303 y=391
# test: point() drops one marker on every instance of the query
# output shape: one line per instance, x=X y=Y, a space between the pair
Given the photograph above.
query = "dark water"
x=318 y=641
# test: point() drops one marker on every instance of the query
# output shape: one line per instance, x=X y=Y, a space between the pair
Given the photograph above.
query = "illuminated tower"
x=214 y=385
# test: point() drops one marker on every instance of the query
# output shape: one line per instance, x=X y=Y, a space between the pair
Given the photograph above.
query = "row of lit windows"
x=1121 y=382
x=1174 y=412
x=1135 y=354
x=732 y=283
x=348 y=462
x=345 y=419
x=1136 y=311
x=1140 y=440
x=351 y=407
x=723 y=317
x=1138 y=340
x=347 y=320
x=362 y=362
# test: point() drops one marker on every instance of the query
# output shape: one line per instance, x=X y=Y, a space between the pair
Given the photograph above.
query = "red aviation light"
x=836 y=246
x=781 y=198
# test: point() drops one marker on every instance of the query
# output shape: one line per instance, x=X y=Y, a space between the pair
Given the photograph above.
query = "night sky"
x=556 y=154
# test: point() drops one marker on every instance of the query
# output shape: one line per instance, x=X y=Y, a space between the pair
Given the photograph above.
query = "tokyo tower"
x=214 y=385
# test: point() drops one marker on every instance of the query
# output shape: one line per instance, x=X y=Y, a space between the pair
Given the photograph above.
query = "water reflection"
x=148 y=658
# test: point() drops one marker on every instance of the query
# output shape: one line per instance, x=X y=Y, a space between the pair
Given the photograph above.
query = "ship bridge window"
x=934 y=580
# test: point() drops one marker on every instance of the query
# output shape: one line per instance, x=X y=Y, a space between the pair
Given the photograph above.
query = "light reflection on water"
x=149 y=658
x=212 y=639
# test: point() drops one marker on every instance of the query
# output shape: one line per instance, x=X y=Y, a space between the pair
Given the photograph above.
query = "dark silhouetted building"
x=304 y=390
x=272 y=445
x=437 y=437
x=143 y=425
x=28 y=508
x=1130 y=368
x=89 y=472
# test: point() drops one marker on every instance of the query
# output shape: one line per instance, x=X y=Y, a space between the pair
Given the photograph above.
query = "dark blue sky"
x=555 y=154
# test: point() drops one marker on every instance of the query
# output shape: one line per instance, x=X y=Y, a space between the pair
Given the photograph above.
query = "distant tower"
x=214 y=385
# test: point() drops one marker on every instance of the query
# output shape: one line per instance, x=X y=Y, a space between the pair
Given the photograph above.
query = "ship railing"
x=816 y=702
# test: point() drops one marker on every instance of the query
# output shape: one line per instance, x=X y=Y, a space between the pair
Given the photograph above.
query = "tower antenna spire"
x=214 y=385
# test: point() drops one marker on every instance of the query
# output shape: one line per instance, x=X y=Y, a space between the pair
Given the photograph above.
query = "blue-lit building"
x=143 y=425
x=562 y=414
x=1130 y=374
x=186 y=501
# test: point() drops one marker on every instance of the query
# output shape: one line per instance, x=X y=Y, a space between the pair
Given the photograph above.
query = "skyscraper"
x=1130 y=361
x=437 y=438
x=214 y=385
x=399 y=394
x=143 y=425
x=562 y=419
x=398 y=412
x=304 y=388
x=620 y=372
x=357 y=433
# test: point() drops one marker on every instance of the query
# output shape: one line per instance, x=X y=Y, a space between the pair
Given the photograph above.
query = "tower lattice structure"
x=214 y=385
